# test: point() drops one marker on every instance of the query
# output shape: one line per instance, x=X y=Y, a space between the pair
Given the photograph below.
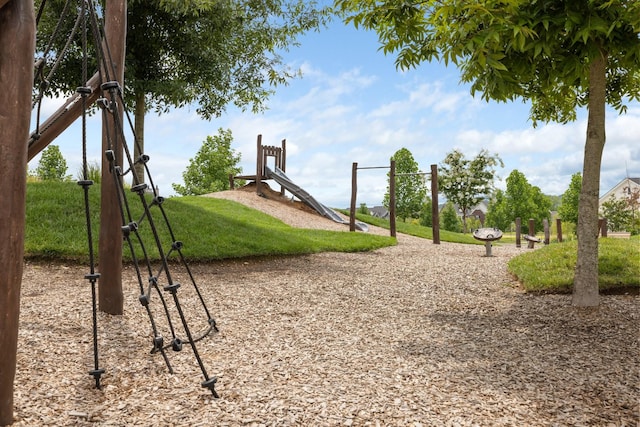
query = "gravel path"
x=412 y=335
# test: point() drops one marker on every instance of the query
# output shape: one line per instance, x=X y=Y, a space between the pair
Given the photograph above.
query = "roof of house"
x=631 y=182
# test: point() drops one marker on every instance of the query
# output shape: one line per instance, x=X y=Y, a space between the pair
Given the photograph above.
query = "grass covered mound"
x=551 y=268
x=211 y=229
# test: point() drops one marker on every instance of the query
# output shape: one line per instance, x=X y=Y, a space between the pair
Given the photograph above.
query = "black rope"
x=96 y=372
x=111 y=98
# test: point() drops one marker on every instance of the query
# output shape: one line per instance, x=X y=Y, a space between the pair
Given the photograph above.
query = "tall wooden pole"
x=354 y=192
x=259 y=165
x=110 y=245
x=17 y=47
x=435 y=211
x=392 y=199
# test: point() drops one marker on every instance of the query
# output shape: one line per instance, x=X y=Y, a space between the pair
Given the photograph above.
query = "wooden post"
x=518 y=231
x=17 y=47
x=602 y=224
x=392 y=198
x=283 y=157
x=559 y=229
x=435 y=211
x=110 y=294
x=259 y=166
x=232 y=183
x=532 y=232
x=354 y=191
x=545 y=224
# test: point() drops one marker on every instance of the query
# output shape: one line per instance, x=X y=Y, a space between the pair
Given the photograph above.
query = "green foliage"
x=205 y=52
x=472 y=223
x=363 y=209
x=618 y=214
x=211 y=229
x=497 y=212
x=209 y=171
x=411 y=189
x=426 y=214
x=521 y=200
x=568 y=210
x=92 y=172
x=52 y=166
x=449 y=218
x=467 y=182
x=551 y=268
x=539 y=51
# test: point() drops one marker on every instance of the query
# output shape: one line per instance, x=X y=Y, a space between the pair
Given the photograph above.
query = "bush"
x=450 y=219
x=52 y=166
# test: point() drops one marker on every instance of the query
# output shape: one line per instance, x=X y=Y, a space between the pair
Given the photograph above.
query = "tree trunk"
x=585 y=284
x=464 y=220
x=138 y=149
x=110 y=244
x=17 y=47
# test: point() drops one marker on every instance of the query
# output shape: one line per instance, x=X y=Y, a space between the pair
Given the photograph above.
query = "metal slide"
x=279 y=176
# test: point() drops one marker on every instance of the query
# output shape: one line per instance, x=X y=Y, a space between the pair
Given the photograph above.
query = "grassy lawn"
x=211 y=229
x=214 y=229
x=551 y=268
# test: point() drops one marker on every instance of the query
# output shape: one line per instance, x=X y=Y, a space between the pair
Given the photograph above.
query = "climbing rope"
x=153 y=280
x=86 y=183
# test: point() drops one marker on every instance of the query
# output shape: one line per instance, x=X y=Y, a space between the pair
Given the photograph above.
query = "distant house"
x=379 y=212
x=478 y=211
x=622 y=190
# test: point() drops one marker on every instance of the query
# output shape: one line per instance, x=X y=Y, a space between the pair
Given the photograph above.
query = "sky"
x=352 y=105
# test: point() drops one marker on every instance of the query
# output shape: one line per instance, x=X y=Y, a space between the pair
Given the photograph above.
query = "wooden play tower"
x=263 y=152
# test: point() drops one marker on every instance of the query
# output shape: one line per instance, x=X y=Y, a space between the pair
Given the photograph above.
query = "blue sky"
x=352 y=105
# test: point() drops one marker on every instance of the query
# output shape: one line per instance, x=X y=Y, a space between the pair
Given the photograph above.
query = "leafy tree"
x=560 y=55
x=617 y=213
x=522 y=200
x=622 y=214
x=209 y=171
x=363 y=209
x=541 y=207
x=411 y=189
x=204 y=52
x=568 y=210
x=497 y=215
x=450 y=219
x=52 y=165
x=426 y=214
x=467 y=182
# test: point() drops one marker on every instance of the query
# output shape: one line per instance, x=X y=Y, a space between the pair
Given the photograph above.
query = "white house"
x=622 y=190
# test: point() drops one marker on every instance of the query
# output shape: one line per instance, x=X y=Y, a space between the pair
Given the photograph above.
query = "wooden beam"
x=64 y=117
x=17 y=47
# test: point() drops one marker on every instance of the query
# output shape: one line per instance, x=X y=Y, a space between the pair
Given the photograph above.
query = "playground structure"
x=263 y=173
x=487 y=235
x=392 y=197
x=122 y=215
x=263 y=152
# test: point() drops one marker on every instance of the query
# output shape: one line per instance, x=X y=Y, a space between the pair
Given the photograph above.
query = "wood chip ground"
x=412 y=335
